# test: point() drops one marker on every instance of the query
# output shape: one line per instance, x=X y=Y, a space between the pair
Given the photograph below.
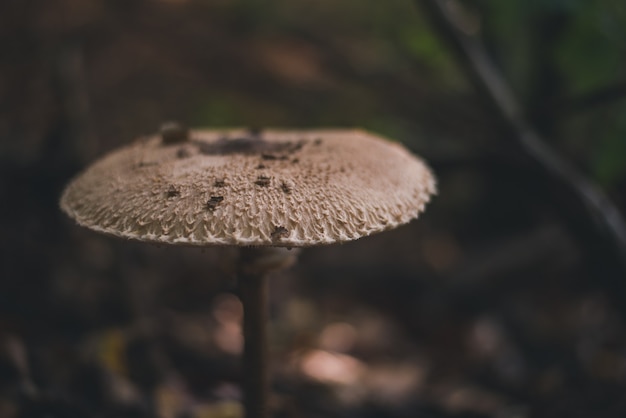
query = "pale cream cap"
x=236 y=187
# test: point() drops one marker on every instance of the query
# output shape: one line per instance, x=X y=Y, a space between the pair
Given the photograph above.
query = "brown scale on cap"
x=144 y=164
x=262 y=181
x=255 y=131
x=350 y=184
x=280 y=232
x=172 y=192
x=183 y=153
x=248 y=145
x=212 y=203
x=274 y=157
x=173 y=133
x=286 y=188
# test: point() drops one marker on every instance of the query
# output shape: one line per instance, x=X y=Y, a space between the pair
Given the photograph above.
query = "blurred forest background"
x=506 y=300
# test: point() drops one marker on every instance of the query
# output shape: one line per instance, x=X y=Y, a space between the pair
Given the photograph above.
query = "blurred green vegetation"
x=554 y=53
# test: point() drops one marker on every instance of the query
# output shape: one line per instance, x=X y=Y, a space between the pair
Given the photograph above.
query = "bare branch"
x=579 y=196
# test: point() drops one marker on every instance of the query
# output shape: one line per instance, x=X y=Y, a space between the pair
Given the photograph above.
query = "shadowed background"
x=501 y=301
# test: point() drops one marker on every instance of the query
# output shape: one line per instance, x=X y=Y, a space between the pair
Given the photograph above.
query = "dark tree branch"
x=590 y=213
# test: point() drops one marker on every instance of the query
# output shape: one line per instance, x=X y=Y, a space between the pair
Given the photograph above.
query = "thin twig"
x=603 y=219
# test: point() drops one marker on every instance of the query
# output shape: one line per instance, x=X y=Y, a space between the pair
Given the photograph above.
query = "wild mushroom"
x=259 y=191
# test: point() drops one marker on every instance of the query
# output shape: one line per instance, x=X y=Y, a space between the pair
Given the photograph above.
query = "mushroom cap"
x=238 y=187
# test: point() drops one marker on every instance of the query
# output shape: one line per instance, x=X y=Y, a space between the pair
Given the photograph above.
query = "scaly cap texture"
x=239 y=187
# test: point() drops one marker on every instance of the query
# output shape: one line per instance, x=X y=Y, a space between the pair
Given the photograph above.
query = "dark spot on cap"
x=285 y=188
x=220 y=183
x=261 y=166
x=273 y=157
x=172 y=192
x=279 y=232
x=143 y=164
x=183 y=153
x=317 y=141
x=262 y=181
x=173 y=133
x=295 y=160
x=255 y=131
x=248 y=146
x=212 y=203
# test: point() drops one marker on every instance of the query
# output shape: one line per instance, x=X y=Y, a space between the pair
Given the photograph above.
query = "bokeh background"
x=501 y=301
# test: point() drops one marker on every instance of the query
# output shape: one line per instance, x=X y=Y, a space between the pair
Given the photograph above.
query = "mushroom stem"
x=255 y=263
x=253 y=290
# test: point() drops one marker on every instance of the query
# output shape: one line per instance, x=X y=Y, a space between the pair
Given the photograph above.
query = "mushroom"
x=262 y=191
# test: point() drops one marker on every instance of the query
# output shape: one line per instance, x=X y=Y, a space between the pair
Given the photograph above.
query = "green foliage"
x=580 y=44
x=592 y=53
x=609 y=161
x=420 y=44
x=218 y=111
